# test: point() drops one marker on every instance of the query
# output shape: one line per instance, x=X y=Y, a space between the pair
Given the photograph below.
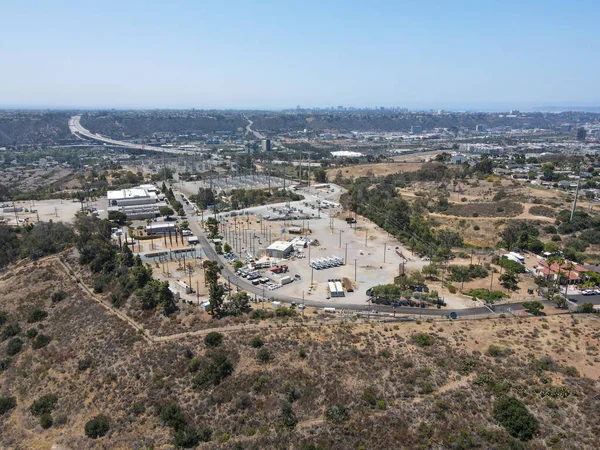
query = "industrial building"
x=137 y=203
x=161 y=228
x=279 y=249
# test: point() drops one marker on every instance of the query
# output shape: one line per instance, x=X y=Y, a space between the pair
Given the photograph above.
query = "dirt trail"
x=151 y=339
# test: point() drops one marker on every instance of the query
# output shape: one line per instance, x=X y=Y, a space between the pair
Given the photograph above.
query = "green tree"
x=117 y=217
x=431 y=271
x=167 y=212
x=166 y=299
x=213 y=339
x=215 y=299
x=513 y=415
x=509 y=280
x=288 y=417
x=320 y=175
x=6 y=404
x=205 y=198
x=559 y=300
x=213 y=227
x=238 y=304
x=97 y=427
x=219 y=368
x=142 y=275
x=212 y=270
x=534 y=308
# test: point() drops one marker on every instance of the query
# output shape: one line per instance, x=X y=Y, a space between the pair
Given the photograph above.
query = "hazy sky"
x=273 y=54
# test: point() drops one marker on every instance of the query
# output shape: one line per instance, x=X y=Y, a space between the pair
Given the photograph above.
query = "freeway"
x=249 y=130
x=78 y=130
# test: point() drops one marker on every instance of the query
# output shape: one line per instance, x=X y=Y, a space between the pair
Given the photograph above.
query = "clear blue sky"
x=272 y=54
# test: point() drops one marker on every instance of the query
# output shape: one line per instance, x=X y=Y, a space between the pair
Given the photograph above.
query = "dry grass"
x=451 y=383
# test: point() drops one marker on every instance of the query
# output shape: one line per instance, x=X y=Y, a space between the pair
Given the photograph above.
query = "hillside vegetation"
x=83 y=378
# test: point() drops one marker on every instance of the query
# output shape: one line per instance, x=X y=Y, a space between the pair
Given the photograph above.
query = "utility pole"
x=576 y=195
x=384 y=250
x=346 y=257
x=355 y=270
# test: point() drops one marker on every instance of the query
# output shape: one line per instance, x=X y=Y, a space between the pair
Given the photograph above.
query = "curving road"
x=249 y=130
x=78 y=130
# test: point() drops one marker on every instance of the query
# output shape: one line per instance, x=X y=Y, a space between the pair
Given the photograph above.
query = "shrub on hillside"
x=513 y=415
x=37 y=315
x=14 y=346
x=263 y=355
x=44 y=405
x=337 y=413
x=213 y=339
x=46 y=421
x=58 y=296
x=10 y=330
x=214 y=373
x=495 y=351
x=41 y=341
x=423 y=339
x=97 y=427
x=171 y=415
x=6 y=404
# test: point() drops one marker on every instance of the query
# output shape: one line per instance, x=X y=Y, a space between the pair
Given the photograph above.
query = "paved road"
x=78 y=130
x=228 y=274
x=581 y=299
x=249 y=129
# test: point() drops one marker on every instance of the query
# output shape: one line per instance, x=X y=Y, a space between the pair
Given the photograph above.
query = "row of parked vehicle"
x=326 y=263
x=591 y=292
x=231 y=257
x=254 y=275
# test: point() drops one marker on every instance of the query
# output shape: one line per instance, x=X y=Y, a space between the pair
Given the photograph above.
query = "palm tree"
x=569 y=266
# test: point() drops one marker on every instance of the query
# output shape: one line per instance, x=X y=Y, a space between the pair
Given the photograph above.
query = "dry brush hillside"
x=338 y=386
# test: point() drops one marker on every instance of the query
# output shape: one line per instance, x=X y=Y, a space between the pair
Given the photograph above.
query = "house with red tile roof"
x=572 y=272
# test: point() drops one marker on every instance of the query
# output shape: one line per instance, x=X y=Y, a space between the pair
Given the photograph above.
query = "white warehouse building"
x=136 y=203
x=280 y=249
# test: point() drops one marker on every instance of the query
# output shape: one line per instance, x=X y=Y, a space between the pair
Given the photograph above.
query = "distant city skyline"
x=425 y=55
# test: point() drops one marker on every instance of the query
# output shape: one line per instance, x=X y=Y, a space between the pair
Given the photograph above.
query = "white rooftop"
x=137 y=192
x=280 y=245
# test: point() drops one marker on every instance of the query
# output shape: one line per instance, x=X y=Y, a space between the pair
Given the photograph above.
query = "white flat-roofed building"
x=149 y=188
x=131 y=197
x=346 y=154
x=137 y=203
x=279 y=249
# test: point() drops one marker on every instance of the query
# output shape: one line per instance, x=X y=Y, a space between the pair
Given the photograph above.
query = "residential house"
x=549 y=272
